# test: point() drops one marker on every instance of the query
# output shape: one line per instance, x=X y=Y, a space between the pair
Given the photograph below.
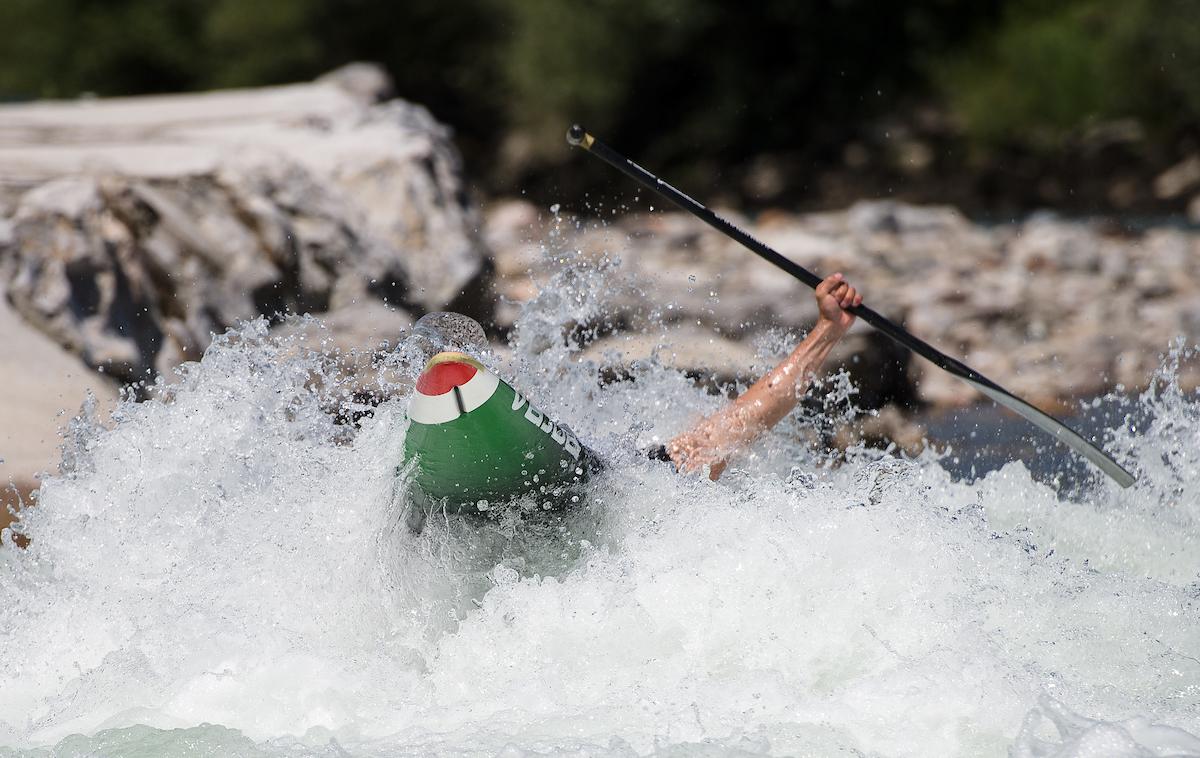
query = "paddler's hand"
x=834 y=296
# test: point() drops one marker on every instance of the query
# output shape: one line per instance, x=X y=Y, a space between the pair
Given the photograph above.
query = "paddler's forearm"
x=775 y=395
x=713 y=440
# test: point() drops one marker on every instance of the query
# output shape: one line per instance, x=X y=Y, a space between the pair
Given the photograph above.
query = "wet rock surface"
x=138 y=228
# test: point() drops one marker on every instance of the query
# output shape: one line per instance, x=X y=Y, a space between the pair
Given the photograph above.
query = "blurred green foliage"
x=728 y=80
x=440 y=54
x=664 y=78
x=1049 y=69
x=60 y=48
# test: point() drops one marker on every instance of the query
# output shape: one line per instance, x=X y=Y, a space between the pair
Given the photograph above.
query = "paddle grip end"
x=577 y=136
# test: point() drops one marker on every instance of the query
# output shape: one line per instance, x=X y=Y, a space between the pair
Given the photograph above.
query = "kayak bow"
x=475 y=442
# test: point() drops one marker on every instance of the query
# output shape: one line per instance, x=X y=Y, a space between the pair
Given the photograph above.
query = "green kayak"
x=475 y=443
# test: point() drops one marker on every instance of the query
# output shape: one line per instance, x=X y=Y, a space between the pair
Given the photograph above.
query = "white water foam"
x=226 y=571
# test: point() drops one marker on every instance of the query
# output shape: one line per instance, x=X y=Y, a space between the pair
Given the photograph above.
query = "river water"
x=224 y=570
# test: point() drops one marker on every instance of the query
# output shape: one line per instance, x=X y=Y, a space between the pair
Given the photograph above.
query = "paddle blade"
x=1060 y=431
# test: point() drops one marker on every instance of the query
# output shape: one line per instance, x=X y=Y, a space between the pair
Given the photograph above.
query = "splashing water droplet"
x=230 y=532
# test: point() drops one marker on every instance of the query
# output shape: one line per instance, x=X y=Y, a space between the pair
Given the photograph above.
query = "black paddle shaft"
x=687 y=203
x=579 y=137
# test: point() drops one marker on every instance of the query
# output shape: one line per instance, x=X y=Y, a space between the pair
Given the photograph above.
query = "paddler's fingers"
x=828 y=284
x=849 y=297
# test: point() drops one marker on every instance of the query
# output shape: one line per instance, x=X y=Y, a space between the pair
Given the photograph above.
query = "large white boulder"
x=140 y=226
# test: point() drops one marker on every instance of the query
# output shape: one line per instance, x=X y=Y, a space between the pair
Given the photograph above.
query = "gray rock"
x=157 y=221
x=43 y=387
x=367 y=81
x=1178 y=179
x=1046 y=243
x=870 y=217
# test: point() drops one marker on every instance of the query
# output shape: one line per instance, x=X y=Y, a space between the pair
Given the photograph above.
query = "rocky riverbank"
x=132 y=230
x=1054 y=309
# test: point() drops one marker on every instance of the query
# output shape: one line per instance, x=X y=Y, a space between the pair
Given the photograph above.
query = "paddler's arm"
x=711 y=442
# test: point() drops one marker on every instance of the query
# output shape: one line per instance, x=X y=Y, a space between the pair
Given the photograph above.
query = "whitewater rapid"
x=226 y=570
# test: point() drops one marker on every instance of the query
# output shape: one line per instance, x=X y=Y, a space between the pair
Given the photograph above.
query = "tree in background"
x=63 y=48
x=1050 y=69
x=684 y=76
x=696 y=87
x=702 y=74
x=438 y=54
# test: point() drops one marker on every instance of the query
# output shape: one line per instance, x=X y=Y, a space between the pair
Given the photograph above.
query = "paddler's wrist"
x=827 y=331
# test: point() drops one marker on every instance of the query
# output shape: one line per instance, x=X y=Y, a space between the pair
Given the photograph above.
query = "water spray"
x=577 y=136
